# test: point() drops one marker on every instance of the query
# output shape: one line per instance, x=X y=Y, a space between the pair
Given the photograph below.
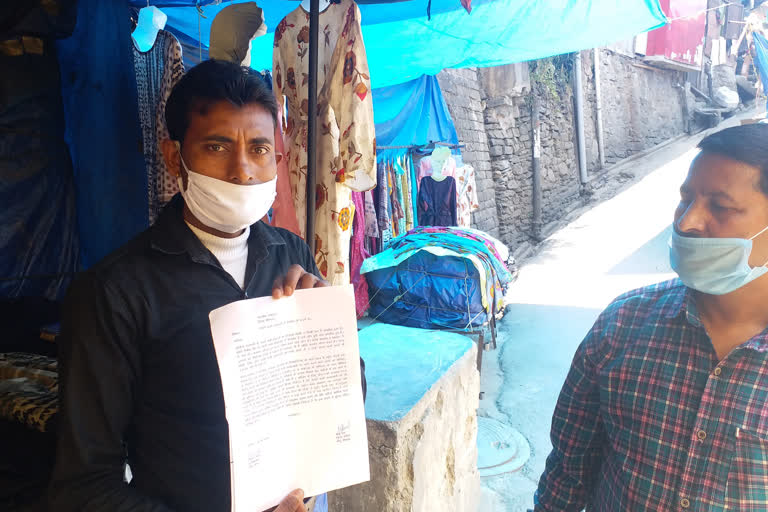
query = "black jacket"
x=138 y=373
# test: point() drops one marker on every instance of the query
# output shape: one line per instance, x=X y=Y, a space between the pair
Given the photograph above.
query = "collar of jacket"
x=171 y=235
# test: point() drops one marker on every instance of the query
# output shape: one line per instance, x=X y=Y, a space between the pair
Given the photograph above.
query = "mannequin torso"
x=323 y=5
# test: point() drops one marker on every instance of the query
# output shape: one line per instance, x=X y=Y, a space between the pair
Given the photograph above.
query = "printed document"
x=290 y=372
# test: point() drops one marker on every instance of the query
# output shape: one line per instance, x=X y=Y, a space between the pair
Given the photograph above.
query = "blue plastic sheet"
x=413 y=113
x=429 y=292
x=402 y=44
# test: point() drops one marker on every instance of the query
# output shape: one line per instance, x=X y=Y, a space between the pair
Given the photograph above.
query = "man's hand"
x=294 y=502
x=296 y=279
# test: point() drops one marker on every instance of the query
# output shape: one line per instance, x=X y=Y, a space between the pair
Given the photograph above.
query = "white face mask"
x=224 y=206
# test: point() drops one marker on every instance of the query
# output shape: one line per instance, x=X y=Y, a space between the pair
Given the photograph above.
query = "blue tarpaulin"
x=413 y=113
x=429 y=292
x=402 y=44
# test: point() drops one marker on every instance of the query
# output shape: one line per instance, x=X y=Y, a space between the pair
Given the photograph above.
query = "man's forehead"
x=222 y=115
x=720 y=171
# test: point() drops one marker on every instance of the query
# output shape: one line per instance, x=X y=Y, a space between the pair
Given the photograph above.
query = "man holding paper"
x=139 y=379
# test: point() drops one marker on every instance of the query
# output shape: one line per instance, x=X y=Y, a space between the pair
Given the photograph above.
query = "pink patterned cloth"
x=283 y=210
x=359 y=254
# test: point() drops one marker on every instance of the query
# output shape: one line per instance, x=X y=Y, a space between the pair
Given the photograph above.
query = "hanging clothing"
x=398 y=201
x=414 y=189
x=346 y=154
x=283 y=209
x=437 y=202
x=405 y=190
x=466 y=195
x=371 y=223
x=358 y=255
x=425 y=168
x=157 y=71
x=382 y=192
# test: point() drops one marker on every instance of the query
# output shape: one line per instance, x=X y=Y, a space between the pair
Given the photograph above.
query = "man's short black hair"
x=212 y=81
x=747 y=143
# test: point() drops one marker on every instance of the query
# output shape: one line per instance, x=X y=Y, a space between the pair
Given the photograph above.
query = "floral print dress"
x=346 y=154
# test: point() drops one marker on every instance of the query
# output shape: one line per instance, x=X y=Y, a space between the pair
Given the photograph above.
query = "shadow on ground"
x=651 y=258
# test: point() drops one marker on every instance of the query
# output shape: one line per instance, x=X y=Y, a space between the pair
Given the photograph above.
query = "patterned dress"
x=157 y=71
x=346 y=155
x=466 y=195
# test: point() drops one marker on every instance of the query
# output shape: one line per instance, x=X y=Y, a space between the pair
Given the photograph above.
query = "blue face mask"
x=714 y=266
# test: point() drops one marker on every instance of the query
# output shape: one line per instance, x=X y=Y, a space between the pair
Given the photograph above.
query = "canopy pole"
x=314 y=22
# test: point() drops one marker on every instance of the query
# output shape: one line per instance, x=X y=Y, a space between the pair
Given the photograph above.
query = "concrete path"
x=608 y=248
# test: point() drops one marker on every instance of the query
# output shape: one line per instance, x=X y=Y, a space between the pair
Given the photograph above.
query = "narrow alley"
x=606 y=249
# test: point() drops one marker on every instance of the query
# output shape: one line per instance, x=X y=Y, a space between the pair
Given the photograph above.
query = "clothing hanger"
x=151 y=21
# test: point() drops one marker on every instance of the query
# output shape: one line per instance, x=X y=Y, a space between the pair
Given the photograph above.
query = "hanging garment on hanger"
x=398 y=214
x=397 y=175
x=358 y=255
x=382 y=194
x=346 y=159
x=414 y=189
x=437 y=202
x=283 y=209
x=371 y=223
x=466 y=195
x=157 y=71
x=405 y=191
x=426 y=168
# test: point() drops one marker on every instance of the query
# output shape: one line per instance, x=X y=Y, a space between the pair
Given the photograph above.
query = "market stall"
x=82 y=116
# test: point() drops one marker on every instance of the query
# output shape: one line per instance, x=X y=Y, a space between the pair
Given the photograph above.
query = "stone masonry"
x=642 y=105
x=491 y=108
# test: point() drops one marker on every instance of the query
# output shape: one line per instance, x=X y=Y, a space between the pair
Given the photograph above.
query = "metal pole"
x=579 y=97
x=314 y=22
x=599 y=108
x=536 y=124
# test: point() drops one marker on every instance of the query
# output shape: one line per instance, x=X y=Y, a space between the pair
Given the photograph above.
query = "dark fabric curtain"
x=102 y=128
x=38 y=229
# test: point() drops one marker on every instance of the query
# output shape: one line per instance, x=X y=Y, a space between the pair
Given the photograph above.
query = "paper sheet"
x=290 y=372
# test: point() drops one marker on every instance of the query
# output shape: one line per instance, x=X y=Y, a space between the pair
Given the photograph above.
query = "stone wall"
x=508 y=120
x=642 y=107
x=425 y=461
x=463 y=94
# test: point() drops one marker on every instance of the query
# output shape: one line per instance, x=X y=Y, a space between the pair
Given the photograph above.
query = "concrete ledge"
x=423 y=389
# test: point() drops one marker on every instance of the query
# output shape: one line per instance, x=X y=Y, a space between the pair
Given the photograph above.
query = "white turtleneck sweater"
x=232 y=253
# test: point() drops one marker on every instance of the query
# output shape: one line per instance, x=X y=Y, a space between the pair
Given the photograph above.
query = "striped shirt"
x=650 y=420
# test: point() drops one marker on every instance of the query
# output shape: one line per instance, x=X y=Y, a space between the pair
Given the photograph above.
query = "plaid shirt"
x=649 y=420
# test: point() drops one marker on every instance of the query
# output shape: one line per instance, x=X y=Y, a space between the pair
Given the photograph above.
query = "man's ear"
x=278 y=158
x=171 y=157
